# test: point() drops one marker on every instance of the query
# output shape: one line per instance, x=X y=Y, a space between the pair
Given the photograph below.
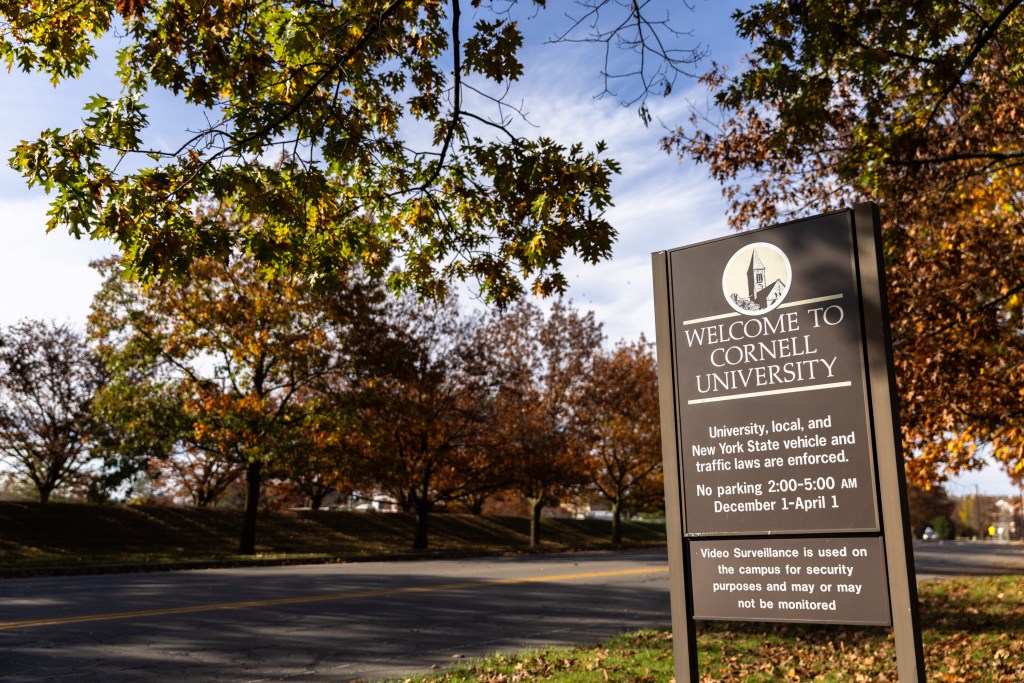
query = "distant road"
x=351 y=622
x=945 y=559
x=333 y=623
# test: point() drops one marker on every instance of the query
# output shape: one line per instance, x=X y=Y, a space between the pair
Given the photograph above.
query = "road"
x=333 y=623
x=343 y=623
x=944 y=559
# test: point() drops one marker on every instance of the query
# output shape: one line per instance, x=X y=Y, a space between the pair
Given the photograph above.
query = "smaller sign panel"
x=836 y=580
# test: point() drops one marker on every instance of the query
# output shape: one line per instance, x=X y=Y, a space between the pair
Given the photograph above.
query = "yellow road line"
x=329 y=597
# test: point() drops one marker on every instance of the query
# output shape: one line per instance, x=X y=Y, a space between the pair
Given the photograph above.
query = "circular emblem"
x=757 y=278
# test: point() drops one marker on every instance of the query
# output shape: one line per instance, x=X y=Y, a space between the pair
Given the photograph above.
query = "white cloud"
x=659 y=202
x=43 y=275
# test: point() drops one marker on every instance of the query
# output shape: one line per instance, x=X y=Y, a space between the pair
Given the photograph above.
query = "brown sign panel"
x=834 y=580
x=771 y=391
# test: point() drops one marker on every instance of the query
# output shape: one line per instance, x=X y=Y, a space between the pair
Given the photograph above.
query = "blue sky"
x=660 y=202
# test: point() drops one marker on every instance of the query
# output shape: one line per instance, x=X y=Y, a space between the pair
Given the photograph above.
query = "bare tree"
x=48 y=378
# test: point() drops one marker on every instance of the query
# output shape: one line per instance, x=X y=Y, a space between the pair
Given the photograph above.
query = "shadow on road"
x=338 y=640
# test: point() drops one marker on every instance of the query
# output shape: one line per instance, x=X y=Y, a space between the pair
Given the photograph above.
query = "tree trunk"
x=317 y=498
x=616 y=523
x=253 y=475
x=476 y=505
x=421 y=541
x=536 y=505
x=405 y=502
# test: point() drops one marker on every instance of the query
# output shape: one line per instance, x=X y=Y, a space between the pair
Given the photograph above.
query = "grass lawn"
x=61 y=534
x=973 y=631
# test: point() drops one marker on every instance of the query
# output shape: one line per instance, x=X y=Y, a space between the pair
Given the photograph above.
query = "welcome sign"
x=785 y=498
x=771 y=383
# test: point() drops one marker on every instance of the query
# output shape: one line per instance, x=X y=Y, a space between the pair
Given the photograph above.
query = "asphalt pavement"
x=946 y=559
x=352 y=622
x=335 y=623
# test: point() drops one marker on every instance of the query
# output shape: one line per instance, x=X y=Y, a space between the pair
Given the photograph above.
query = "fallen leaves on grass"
x=973 y=632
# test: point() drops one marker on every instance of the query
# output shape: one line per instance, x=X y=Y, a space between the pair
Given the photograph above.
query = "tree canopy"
x=543 y=364
x=226 y=389
x=620 y=429
x=917 y=106
x=376 y=133
x=240 y=351
x=428 y=415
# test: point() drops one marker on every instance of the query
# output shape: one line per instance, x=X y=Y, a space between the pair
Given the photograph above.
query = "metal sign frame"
x=889 y=490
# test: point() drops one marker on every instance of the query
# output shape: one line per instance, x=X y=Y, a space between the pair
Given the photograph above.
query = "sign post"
x=785 y=495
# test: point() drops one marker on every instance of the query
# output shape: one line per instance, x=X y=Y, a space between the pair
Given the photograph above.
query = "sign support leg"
x=684 y=644
x=906 y=622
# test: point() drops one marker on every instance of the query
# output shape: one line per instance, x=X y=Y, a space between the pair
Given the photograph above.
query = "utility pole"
x=977 y=513
x=1021 y=515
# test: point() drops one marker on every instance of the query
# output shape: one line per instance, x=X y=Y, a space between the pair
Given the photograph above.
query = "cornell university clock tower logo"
x=757 y=278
